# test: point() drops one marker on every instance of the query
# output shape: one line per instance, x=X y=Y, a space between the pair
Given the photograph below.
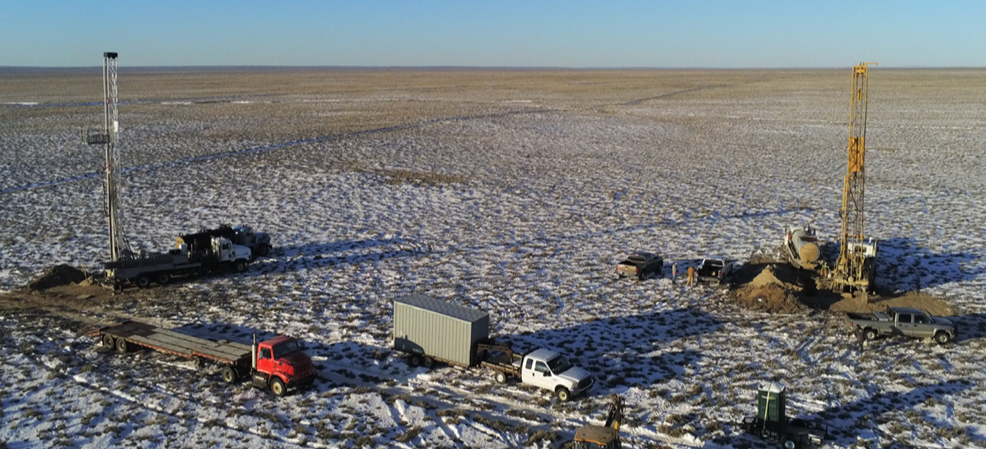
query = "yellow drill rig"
x=854 y=270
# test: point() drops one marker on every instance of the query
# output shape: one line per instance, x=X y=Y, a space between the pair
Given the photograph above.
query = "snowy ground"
x=517 y=198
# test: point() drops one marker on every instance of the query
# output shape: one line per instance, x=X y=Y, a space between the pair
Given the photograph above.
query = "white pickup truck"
x=429 y=330
x=541 y=368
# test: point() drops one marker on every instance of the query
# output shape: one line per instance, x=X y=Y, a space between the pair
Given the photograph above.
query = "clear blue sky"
x=548 y=33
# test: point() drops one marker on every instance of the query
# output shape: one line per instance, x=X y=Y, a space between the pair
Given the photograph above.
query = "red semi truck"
x=279 y=363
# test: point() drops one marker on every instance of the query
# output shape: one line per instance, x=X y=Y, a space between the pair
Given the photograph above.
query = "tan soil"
x=782 y=288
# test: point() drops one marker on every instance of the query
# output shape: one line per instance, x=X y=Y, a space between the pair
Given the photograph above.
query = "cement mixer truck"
x=801 y=246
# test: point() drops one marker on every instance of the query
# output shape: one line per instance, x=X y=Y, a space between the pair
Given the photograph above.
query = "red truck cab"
x=281 y=365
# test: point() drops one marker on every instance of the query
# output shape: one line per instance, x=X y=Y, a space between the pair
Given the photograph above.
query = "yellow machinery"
x=606 y=436
x=854 y=269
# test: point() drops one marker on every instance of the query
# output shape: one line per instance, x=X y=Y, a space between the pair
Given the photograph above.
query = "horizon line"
x=451 y=67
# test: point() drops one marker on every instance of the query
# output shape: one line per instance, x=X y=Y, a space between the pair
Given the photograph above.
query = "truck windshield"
x=559 y=364
x=287 y=347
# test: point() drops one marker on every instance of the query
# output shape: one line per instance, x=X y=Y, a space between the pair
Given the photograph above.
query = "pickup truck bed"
x=501 y=358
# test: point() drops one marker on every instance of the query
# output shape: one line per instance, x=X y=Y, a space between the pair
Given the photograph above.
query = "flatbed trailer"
x=126 y=336
x=277 y=363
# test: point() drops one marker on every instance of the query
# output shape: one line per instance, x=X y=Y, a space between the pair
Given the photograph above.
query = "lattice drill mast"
x=119 y=248
x=855 y=266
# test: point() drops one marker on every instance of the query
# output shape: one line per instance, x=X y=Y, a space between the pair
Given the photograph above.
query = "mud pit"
x=777 y=287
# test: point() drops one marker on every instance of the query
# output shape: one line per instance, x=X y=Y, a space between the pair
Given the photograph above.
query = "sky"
x=495 y=33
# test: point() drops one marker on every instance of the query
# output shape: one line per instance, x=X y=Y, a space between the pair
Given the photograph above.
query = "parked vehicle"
x=198 y=256
x=716 y=269
x=429 y=330
x=905 y=321
x=258 y=242
x=607 y=436
x=640 y=264
x=279 y=363
x=801 y=245
x=772 y=424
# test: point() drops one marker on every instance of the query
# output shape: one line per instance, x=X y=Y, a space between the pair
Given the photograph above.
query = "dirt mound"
x=58 y=275
x=777 y=288
x=923 y=301
x=770 y=291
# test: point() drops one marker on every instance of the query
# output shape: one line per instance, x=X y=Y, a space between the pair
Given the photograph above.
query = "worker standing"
x=691 y=276
x=674 y=273
x=860 y=338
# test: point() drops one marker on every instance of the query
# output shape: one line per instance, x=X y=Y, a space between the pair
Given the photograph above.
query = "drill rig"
x=119 y=247
x=854 y=270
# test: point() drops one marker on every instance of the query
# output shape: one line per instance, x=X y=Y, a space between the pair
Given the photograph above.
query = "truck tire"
x=870 y=334
x=563 y=394
x=122 y=346
x=108 y=341
x=428 y=362
x=229 y=375
x=414 y=360
x=277 y=387
x=142 y=281
x=240 y=266
x=500 y=377
x=163 y=278
x=790 y=443
x=263 y=250
x=942 y=337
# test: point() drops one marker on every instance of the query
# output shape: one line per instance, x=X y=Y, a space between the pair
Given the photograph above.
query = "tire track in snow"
x=671 y=94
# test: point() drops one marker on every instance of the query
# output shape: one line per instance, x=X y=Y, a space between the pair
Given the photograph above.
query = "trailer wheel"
x=789 y=443
x=414 y=360
x=563 y=394
x=229 y=375
x=942 y=337
x=500 y=377
x=870 y=334
x=277 y=387
x=108 y=340
x=122 y=346
x=428 y=362
x=163 y=278
x=142 y=281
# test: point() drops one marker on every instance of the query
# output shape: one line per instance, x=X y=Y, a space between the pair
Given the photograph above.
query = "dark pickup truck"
x=715 y=269
x=640 y=264
x=904 y=321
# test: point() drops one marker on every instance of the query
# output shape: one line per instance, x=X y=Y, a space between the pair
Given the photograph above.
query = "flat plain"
x=512 y=191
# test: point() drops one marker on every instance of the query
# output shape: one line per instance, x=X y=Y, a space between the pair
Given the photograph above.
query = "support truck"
x=905 y=321
x=279 y=363
x=197 y=257
x=429 y=330
x=258 y=242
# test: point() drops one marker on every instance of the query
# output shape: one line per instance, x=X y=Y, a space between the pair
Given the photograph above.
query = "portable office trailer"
x=439 y=330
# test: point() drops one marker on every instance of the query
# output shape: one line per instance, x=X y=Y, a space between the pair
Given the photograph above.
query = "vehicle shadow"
x=343 y=252
x=623 y=352
x=970 y=327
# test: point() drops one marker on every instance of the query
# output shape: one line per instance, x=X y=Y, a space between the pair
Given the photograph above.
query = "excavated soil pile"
x=57 y=276
x=774 y=290
x=918 y=300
